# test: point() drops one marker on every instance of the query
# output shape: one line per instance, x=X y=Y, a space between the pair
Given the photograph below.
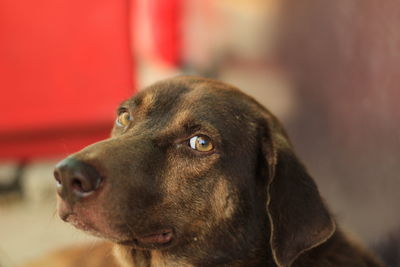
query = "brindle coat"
x=248 y=201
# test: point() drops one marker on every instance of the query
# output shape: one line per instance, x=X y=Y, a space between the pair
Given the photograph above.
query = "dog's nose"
x=75 y=178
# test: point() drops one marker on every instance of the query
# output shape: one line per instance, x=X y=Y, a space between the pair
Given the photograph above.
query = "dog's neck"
x=127 y=257
x=238 y=247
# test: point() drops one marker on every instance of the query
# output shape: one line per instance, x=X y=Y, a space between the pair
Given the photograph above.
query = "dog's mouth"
x=93 y=223
x=81 y=225
x=89 y=222
x=159 y=238
x=155 y=240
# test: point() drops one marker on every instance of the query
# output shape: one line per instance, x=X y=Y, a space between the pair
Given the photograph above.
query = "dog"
x=197 y=173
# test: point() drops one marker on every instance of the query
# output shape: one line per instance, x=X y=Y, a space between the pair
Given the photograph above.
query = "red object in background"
x=166 y=26
x=64 y=67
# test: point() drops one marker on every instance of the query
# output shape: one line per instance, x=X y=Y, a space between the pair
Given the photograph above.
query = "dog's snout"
x=76 y=178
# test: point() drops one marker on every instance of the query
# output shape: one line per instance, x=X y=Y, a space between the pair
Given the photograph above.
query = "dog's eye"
x=201 y=143
x=123 y=119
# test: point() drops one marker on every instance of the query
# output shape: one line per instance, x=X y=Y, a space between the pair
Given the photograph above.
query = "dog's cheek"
x=223 y=200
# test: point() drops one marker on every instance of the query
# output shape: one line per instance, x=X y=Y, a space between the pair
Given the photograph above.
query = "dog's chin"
x=90 y=222
x=82 y=225
x=96 y=223
x=93 y=229
x=156 y=239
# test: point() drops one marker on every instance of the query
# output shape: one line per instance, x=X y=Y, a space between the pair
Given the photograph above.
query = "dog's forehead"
x=188 y=93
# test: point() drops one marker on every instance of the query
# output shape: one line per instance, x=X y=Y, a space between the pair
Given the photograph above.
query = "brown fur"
x=249 y=202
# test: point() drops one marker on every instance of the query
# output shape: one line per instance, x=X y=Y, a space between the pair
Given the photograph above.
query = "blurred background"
x=328 y=69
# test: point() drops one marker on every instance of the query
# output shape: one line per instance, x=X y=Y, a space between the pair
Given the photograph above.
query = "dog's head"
x=193 y=160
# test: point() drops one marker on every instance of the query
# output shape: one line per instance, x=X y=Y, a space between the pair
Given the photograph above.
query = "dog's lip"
x=64 y=210
x=158 y=239
x=74 y=220
x=68 y=215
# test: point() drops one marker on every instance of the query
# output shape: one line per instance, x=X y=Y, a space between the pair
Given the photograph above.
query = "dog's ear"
x=298 y=218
